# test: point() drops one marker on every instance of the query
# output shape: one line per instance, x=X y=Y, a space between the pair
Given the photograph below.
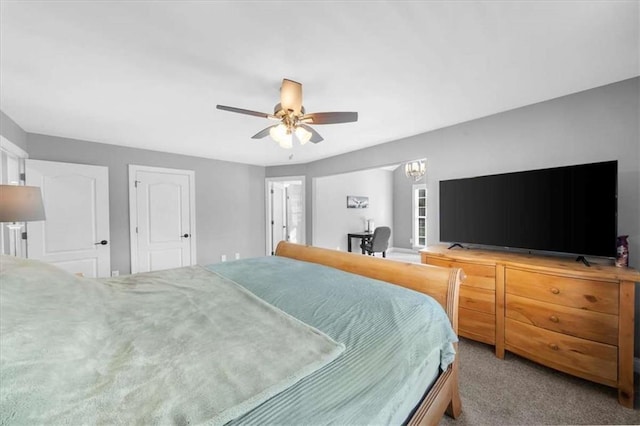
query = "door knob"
x=185 y=236
x=102 y=243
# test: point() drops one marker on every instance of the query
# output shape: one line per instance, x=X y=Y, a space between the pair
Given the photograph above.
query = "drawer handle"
x=555 y=291
x=554 y=318
x=553 y=346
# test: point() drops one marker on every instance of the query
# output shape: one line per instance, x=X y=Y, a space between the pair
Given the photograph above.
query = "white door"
x=75 y=234
x=162 y=214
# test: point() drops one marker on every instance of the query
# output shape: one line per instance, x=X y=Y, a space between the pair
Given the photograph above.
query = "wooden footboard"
x=442 y=284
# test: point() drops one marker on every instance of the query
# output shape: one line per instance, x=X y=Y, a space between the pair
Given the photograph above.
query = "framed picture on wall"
x=357 y=202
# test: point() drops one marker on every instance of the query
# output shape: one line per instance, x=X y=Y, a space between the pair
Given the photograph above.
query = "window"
x=419 y=215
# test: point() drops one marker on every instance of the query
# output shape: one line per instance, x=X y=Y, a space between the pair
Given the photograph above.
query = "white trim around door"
x=13 y=149
x=268 y=205
x=12 y=159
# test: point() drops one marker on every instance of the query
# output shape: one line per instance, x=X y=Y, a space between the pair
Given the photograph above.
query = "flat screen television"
x=570 y=209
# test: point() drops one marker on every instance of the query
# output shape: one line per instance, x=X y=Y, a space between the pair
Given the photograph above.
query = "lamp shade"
x=20 y=203
x=303 y=135
x=282 y=135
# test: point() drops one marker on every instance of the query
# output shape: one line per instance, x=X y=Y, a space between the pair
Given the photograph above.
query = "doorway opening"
x=285 y=211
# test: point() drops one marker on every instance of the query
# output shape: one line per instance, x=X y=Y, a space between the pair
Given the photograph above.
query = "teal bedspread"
x=390 y=334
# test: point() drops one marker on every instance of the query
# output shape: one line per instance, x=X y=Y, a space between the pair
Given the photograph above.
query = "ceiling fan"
x=294 y=121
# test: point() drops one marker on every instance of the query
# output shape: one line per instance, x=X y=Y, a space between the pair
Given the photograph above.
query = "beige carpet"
x=515 y=391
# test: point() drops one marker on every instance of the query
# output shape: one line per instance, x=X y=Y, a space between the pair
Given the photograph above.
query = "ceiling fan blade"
x=291 y=96
x=330 y=117
x=262 y=133
x=315 y=136
x=247 y=112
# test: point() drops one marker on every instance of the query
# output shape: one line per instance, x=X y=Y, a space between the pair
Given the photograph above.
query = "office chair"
x=379 y=242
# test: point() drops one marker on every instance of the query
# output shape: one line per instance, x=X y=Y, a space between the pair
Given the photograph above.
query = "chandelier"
x=415 y=169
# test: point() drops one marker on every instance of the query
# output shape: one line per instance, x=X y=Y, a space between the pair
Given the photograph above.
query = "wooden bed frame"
x=442 y=284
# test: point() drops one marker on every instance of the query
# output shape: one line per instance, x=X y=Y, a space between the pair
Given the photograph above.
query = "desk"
x=363 y=236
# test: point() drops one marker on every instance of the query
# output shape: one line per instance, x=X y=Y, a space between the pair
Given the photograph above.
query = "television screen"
x=569 y=209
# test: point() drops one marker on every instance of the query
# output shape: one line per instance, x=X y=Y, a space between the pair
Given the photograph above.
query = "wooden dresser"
x=554 y=311
x=477 y=305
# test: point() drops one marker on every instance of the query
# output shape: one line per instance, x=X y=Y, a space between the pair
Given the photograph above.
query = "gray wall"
x=595 y=125
x=333 y=220
x=229 y=196
x=402 y=208
x=14 y=133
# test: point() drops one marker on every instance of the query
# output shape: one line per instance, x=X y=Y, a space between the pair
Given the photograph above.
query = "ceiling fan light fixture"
x=286 y=142
x=282 y=135
x=303 y=135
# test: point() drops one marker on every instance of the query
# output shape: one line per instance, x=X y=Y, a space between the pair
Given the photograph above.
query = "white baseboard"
x=636 y=365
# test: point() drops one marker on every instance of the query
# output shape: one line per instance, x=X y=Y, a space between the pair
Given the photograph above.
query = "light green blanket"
x=183 y=346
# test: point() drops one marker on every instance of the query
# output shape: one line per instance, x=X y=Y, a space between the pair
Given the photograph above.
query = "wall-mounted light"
x=415 y=169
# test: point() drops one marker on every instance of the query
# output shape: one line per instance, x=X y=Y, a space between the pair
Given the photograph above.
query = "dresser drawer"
x=598 y=296
x=580 y=357
x=590 y=325
x=477 y=325
x=478 y=299
x=481 y=276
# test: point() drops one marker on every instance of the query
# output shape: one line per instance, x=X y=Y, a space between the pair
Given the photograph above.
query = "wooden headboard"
x=443 y=284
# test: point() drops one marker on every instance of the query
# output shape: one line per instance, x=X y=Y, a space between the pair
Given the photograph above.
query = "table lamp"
x=20 y=204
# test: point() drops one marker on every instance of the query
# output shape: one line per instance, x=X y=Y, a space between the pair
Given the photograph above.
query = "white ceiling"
x=149 y=74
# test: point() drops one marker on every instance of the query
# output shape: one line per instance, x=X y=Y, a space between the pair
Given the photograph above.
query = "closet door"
x=162 y=214
x=75 y=234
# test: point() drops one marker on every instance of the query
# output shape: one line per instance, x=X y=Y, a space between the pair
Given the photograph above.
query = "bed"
x=341 y=345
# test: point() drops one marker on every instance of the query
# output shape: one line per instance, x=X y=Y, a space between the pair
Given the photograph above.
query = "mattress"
x=397 y=341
